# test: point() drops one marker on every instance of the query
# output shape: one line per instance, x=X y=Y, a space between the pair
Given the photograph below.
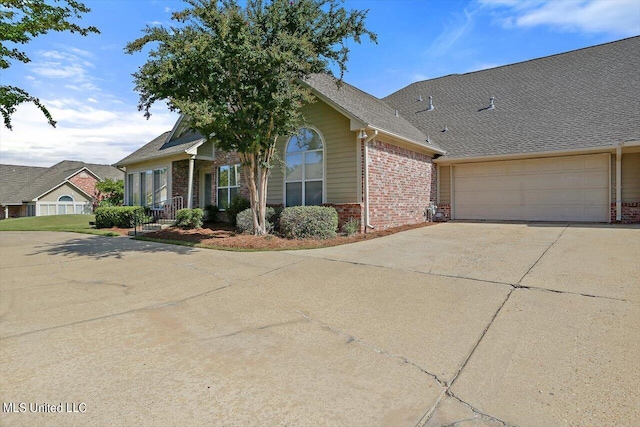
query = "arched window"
x=304 y=175
x=65 y=205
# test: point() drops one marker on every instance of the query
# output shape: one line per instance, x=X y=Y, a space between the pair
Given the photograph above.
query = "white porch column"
x=618 y=183
x=6 y=212
x=192 y=161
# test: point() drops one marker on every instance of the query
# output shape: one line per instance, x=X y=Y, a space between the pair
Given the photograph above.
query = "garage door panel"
x=572 y=188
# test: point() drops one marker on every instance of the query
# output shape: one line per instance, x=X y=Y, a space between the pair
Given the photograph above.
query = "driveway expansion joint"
x=108 y=316
x=543 y=254
x=428 y=273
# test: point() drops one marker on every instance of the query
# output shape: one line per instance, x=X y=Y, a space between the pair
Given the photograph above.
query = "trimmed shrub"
x=237 y=205
x=119 y=216
x=244 y=220
x=211 y=213
x=352 y=226
x=317 y=222
x=189 y=218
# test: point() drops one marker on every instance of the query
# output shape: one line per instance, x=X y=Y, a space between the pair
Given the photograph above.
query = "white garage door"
x=573 y=188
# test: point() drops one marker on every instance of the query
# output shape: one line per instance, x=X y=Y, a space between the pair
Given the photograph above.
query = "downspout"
x=619 y=182
x=366 y=180
x=190 y=185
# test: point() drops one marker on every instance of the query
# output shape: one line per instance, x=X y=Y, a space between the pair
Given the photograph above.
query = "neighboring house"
x=67 y=187
x=551 y=139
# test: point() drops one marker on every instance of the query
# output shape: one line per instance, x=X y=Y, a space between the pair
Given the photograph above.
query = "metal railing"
x=158 y=213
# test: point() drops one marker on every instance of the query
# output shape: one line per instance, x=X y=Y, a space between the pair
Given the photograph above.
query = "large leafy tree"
x=110 y=192
x=237 y=73
x=22 y=20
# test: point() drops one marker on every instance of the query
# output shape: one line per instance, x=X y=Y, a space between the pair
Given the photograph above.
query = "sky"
x=86 y=82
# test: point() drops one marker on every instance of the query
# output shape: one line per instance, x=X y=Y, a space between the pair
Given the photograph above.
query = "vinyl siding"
x=341 y=164
x=444 y=178
x=64 y=190
x=630 y=178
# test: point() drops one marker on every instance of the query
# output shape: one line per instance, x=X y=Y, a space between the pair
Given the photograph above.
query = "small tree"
x=22 y=20
x=237 y=73
x=110 y=191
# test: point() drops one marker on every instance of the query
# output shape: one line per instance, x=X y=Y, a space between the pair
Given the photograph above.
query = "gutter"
x=605 y=148
x=366 y=180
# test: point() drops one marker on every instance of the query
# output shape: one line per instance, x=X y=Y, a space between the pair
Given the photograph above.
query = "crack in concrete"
x=107 y=316
x=448 y=385
x=351 y=338
x=477 y=411
x=557 y=291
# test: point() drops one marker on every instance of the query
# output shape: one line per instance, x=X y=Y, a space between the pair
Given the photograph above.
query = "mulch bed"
x=221 y=235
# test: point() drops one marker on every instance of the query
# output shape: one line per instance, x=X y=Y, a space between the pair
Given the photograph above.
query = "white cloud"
x=92 y=100
x=452 y=33
x=618 y=17
x=82 y=133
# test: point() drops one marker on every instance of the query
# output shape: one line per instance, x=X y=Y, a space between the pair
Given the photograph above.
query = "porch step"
x=147 y=228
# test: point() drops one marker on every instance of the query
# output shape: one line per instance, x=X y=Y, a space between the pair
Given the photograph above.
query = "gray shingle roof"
x=366 y=108
x=160 y=147
x=24 y=183
x=15 y=182
x=580 y=99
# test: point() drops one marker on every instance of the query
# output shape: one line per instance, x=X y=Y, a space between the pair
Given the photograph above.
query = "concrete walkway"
x=474 y=324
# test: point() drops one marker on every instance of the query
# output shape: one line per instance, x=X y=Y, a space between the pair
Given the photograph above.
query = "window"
x=206 y=187
x=65 y=205
x=304 y=174
x=228 y=184
x=147 y=187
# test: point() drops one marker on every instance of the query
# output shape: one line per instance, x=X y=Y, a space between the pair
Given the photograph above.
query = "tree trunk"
x=256 y=171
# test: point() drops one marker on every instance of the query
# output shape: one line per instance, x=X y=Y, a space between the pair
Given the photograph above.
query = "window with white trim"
x=228 y=184
x=304 y=170
x=65 y=205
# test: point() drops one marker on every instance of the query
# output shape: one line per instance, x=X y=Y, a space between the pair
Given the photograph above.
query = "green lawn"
x=75 y=223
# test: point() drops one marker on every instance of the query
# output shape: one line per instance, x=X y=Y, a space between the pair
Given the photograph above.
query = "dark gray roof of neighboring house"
x=14 y=182
x=580 y=99
x=160 y=147
x=24 y=183
x=367 y=109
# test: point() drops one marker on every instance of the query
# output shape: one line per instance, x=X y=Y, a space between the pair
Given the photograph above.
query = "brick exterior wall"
x=630 y=213
x=443 y=213
x=401 y=182
x=180 y=177
x=347 y=211
x=85 y=181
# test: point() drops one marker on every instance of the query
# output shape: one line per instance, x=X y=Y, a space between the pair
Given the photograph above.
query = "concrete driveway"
x=474 y=324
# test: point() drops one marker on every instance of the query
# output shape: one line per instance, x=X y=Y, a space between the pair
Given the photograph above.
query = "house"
x=550 y=139
x=67 y=187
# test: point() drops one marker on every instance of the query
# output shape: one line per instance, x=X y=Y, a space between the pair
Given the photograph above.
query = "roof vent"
x=420 y=98
x=428 y=140
x=431 y=107
x=397 y=115
x=491 y=104
x=446 y=128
